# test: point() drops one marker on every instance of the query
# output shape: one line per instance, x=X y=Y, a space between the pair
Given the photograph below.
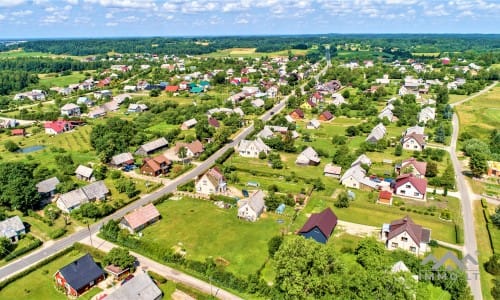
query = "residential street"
x=167 y=272
x=38 y=255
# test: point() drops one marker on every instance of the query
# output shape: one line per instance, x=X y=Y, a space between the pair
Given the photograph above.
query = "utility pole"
x=90 y=235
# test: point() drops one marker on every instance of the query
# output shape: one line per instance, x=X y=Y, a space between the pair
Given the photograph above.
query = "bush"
x=57 y=233
x=157 y=277
x=11 y=146
x=433 y=243
x=492 y=266
x=224 y=156
x=186 y=187
x=18 y=252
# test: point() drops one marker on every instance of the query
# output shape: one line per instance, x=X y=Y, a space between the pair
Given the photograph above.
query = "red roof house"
x=213 y=122
x=172 y=88
x=385 y=197
x=410 y=186
x=140 y=218
x=297 y=114
x=412 y=166
x=326 y=116
x=19 y=131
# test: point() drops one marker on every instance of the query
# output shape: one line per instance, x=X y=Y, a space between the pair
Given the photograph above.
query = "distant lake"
x=31 y=149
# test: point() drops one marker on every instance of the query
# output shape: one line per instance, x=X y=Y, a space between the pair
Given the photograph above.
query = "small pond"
x=31 y=149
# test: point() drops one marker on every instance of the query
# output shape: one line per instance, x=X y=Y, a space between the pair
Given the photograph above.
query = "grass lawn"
x=250 y=52
x=51 y=80
x=456 y=98
x=21 y=53
x=39 y=284
x=484 y=247
x=205 y=230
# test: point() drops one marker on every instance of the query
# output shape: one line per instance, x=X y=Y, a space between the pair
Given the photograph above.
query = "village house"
x=332 y=170
x=411 y=166
x=84 y=173
x=84 y=101
x=248 y=148
x=326 y=116
x=188 y=124
x=320 y=226
x=140 y=218
x=193 y=149
x=410 y=186
x=57 y=127
x=493 y=169
x=213 y=122
x=47 y=187
x=257 y=103
x=79 y=276
x=308 y=157
x=414 y=129
x=137 y=108
x=70 y=110
x=252 y=207
x=103 y=94
x=12 y=228
x=73 y=199
x=297 y=114
x=385 y=197
x=355 y=177
x=211 y=182
x=378 y=132
x=406 y=235
x=155 y=166
x=18 y=132
x=141 y=287
x=386 y=113
x=413 y=142
x=427 y=114
x=338 y=99
x=122 y=159
x=308 y=105
x=152 y=146
x=130 y=88
x=362 y=160
x=313 y=124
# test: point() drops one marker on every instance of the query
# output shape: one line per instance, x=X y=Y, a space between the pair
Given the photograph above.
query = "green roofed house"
x=191 y=85
x=196 y=89
x=204 y=83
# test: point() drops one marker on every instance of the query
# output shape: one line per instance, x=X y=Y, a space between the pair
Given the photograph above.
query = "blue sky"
x=111 y=18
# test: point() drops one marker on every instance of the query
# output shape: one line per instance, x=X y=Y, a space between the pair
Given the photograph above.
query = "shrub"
x=157 y=277
x=18 y=252
x=57 y=233
x=492 y=266
x=433 y=243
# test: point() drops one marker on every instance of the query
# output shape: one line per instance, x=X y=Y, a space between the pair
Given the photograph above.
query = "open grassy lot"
x=204 y=230
x=51 y=80
x=21 y=53
x=250 y=52
x=39 y=284
x=456 y=98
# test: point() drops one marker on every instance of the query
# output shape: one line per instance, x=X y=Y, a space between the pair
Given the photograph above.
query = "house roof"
x=122 y=158
x=314 y=123
x=327 y=115
x=377 y=133
x=265 y=133
x=95 y=190
x=399 y=267
x=73 y=198
x=161 y=159
x=356 y=172
x=152 y=164
x=332 y=169
x=325 y=221
x=308 y=154
x=195 y=147
x=154 y=145
x=81 y=271
x=419 y=183
x=385 y=195
x=213 y=122
x=19 y=131
x=190 y=122
x=420 y=166
x=419 y=138
x=84 y=171
x=416 y=232
x=142 y=216
x=47 y=185
x=57 y=126
x=299 y=112
x=255 y=201
x=172 y=88
x=257 y=143
x=362 y=159
x=9 y=227
x=141 y=287
x=70 y=106
x=415 y=129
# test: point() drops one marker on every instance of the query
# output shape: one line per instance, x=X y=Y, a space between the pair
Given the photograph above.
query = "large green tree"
x=113 y=137
x=17 y=186
x=119 y=257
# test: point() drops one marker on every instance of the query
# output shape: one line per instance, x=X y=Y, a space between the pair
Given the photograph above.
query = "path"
x=167 y=272
x=133 y=174
x=475 y=95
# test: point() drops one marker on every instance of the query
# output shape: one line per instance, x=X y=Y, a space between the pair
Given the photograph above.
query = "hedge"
x=35 y=267
x=96 y=253
x=16 y=253
x=157 y=277
x=224 y=156
x=57 y=233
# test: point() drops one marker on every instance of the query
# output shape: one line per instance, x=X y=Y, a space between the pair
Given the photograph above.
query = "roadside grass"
x=52 y=79
x=456 y=98
x=484 y=249
x=39 y=284
x=204 y=230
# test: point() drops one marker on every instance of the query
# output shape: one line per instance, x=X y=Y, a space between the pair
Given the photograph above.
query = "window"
x=417 y=194
x=413 y=249
x=402 y=192
x=394 y=245
x=404 y=239
x=408 y=186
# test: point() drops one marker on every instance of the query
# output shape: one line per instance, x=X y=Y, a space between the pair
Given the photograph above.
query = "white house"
x=137 y=108
x=413 y=142
x=12 y=228
x=84 y=173
x=405 y=234
x=410 y=186
x=212 y=182
x=70 y=110
x=251 y=208
x=386 y=113
x=378 y=132
x=313 y=124
x=253 y=148
x=426 y=114
x=308 y=157
x=75 y=198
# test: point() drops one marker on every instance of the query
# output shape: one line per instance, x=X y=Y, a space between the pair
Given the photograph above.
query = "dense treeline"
x=48 y=65
x=15 y=81
x=400 y=45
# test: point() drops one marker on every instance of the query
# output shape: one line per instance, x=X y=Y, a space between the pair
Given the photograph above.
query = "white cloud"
x=21 y=13
x=11 y=3
x=2 y=17
x=169 y=7
x=194 y=7
x=437 y=11
x=111 y=24
x=109 y=16
x=72 y=2
x=241 y=21
x=138 y=4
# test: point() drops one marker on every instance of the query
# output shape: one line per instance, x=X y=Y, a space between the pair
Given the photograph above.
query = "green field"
x=204 y=230
x=51 y=80
x=250 y=52
x=39 y=284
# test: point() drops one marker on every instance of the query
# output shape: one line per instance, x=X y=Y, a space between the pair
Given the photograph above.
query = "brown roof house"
x=84 y=173
x=325 y=116
x=193 y=149
x=155 y=166
x=410 y=186
x=332 y=170
x=412 y=166
x=320 y=226
x=406 y=235
x=212 y=182
x=413 y=142
x=297 y=114
x=140 y=218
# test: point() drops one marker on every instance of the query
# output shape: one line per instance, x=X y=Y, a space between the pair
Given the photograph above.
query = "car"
x=130 y=276
x=272 y=113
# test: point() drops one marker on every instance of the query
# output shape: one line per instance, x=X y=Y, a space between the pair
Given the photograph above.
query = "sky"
x=123 y=18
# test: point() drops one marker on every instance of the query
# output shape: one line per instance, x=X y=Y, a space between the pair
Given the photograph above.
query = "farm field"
x=22 y=53
x=204 y=230
x=39 y=284
x=250 y=52
x=51 y=80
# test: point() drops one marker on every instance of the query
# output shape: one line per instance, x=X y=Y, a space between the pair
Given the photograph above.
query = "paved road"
x=167 y=272
x=26 y=261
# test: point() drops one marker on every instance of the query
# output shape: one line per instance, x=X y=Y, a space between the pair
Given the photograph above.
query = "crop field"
x=51 y=80
x=250 y=52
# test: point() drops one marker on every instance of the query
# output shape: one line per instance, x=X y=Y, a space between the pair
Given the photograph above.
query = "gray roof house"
x=122 y=159
x=248 y=148
x=73 y=199
x=12 y=228
x=152 y=146
x=386 y=113
x=70 y=110
x=265 y=133
x=96 y=190
x=251 y=208
x=308 y=157
x=141 y=287
x=362 y=160
x=47 y=187
x=378 y=132
x=84 y=173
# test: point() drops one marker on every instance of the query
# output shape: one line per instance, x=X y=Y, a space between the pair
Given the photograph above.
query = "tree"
x=262 y=155
x=442 y=96
x=495 y=290
x=432 y=169
x=448 y=177
x=352 y=131
x=492 y=266
x=5 y=247
x=154 y=93
x=371 y=254
x=115 y=136
x=272 y=201
x=110 y=230
x=119 y=257
x=11 y=146
x=274 y=244
x=182 y=153
x=18 y=186
x=495 y=218
x=478 y=164
x=342 y=200
x=398 y=151
x=318 y=185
